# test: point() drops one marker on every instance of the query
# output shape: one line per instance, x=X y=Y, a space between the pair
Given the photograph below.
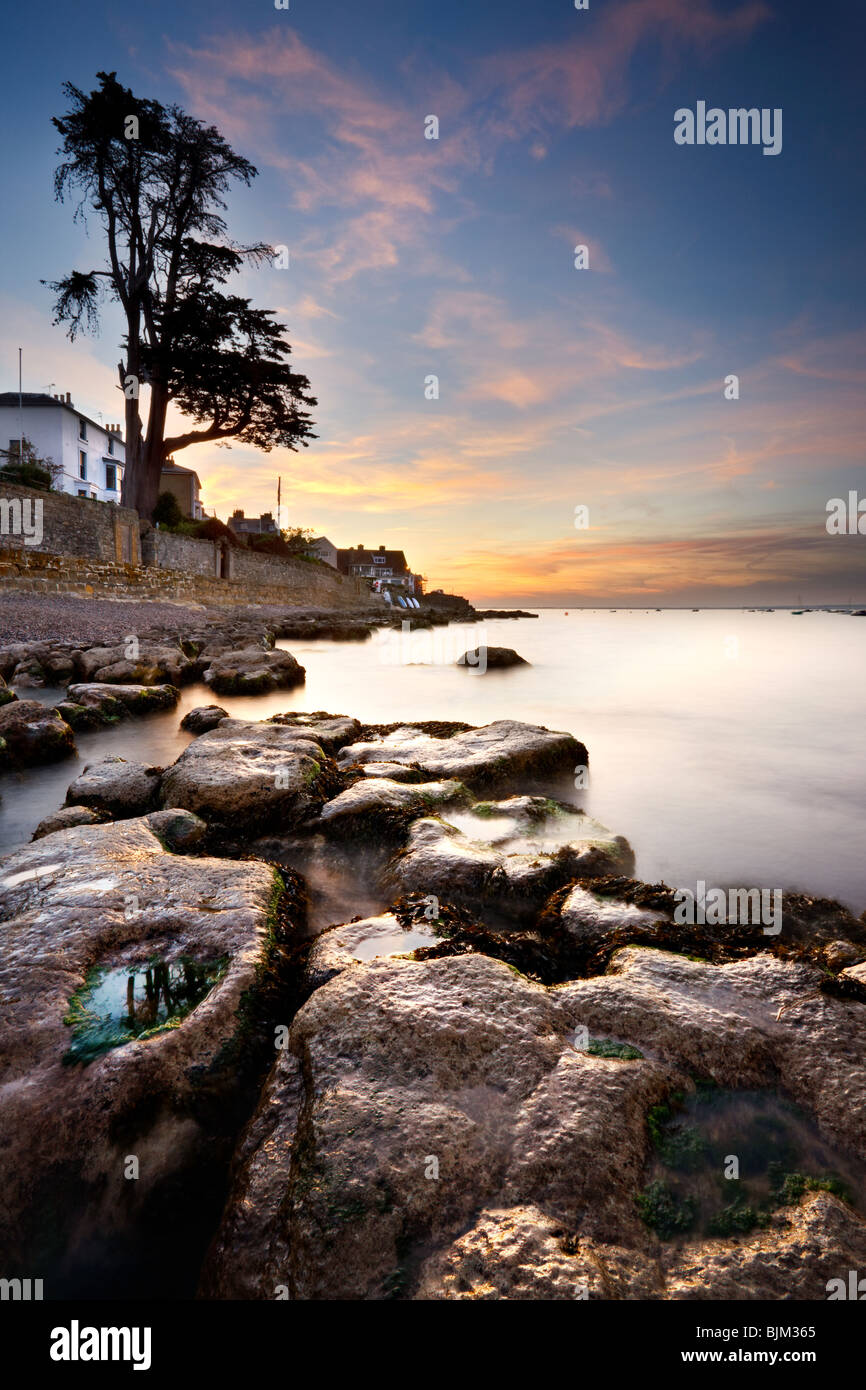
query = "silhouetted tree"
x=157 y=178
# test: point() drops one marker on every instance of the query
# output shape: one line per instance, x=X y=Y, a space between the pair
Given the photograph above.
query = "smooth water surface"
x=727 y=746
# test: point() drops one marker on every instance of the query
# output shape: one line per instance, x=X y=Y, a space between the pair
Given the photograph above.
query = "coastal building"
x=185 y=486
x=263 y=525
x=324 y=550
x=89 y=456
x=380 y=564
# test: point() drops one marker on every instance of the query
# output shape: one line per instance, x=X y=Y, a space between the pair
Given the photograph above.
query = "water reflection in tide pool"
x=727 y=746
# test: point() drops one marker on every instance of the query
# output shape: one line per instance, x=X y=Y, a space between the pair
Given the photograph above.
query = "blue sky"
x=558 y=387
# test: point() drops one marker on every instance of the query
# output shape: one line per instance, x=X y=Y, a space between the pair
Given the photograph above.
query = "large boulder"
x=87 y=705
x=250 y=775
x=32 y=733
x=128 y=978
x=116 y=787
x=331 y=731
x=502 y=751
x=203 y=718
x=145 y=663
x=491 y=659
x=66 y=818
x=508 y=859
x=253 y=671
x=442 y=1128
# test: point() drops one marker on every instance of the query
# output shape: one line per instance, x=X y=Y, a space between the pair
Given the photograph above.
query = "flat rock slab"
x=331 y=731
x=112 y=897
x=434 y=1128
x=109 y=702
x=590 y=917
x=253 y=671
x=118 y=788
x=497 y=752
x=376 y=805
x=146 y=663
x=66 y=819
x=32 y=733
x=248 y=774
x=499 y=865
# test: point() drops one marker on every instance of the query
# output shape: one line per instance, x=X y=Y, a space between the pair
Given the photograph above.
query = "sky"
x=581 y=449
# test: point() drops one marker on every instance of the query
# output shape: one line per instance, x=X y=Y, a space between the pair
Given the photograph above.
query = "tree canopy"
x=158 y=179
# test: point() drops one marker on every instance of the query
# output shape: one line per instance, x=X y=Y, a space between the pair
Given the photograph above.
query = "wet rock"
x=394 y=772
x=252 y=671
x=148 y=664
x=32 y=733
x=491 y=658
x=331 y=731
x=179 y=831
x=65 y=819
x=110 y=898
x=365 y=939
x=504 y=750
x=436 y=1128
x=249 y=775
x=375 y=807
x=393 y=1065
x=107 y=703
x=500 y=863
x=521 y=1253
x=116 y=787
x=592 y=918
x=6 y=695
x=204 y=718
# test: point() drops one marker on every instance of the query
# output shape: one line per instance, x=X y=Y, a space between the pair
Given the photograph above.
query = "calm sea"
x=727 y=746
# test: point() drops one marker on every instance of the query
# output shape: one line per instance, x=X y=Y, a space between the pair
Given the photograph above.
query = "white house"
x=91 y=456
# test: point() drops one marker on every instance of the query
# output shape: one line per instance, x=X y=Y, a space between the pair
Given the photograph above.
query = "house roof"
x=42 y=398
x=179 y=468
x=393 y=559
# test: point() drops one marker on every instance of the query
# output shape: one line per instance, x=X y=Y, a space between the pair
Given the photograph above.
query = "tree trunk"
x=152 y=454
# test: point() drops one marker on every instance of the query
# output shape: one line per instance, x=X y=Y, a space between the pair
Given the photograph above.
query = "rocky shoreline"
x=520 y=1077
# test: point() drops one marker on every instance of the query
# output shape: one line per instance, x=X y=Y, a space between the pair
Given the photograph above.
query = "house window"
x=82 y=464
x=82 y=492
x=14 y=446
x=82 y=429
x=111 y=477
x=378 y=559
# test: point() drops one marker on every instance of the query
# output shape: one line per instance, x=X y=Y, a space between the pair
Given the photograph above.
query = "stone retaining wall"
x=95 y=548
x=28 y=570
x=78 y=526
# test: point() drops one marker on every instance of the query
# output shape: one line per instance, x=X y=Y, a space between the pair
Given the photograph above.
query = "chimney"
x=361 y=546
x=68 y=398
x=382 y=548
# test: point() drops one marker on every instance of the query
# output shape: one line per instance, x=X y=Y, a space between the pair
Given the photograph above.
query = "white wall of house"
x=91 y=457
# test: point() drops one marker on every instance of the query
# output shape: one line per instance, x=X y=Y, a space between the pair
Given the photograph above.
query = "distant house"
x=184 y=485
x=263 y=525
x=380 y=564
x=324 y=550
x=90 y=457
